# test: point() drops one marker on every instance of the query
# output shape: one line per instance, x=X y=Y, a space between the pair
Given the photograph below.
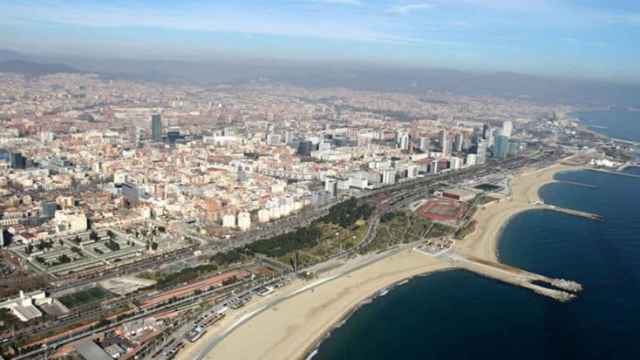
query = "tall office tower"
x=485 y=131
x=481 y=153
x=1 y=237
x=507 y=128
x=458 y=142
x=425 y=144
x=156 y=127
x=446 y=146
x=389 y=177
x=405 y=141
x=305 y=148
x=17 y=160
x=491 y=137
x=502 y=147
x=138 y=136
x=331 y=186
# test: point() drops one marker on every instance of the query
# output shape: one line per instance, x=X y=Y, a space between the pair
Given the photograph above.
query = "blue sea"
x=617 y=123
x=459 y=315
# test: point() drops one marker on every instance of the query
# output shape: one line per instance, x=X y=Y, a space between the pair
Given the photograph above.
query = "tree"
x=63 y=259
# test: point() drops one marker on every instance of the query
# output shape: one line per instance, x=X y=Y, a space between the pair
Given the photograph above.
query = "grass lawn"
x=85 y=296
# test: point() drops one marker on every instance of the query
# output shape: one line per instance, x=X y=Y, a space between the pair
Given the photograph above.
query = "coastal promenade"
x=291 y=324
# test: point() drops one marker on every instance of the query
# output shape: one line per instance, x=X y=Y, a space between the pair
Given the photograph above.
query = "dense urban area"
x=136 y=215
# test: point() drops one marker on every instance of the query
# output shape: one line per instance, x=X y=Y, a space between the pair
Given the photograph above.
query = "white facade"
x=471 y=159
x=455 y=163
x=404 y=141
x=389 y=177
x=229 y=220
x=244 y=221
x=69 y=221
x=120 y=177
x=331 y=186
x=446 y=147
x=425 y=144
x=507 y=128
x=481 y=152
x=412 y=171
x=264 y=216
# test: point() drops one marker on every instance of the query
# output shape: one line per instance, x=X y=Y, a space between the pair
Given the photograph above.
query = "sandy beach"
x=491 y=218
x=292 y=327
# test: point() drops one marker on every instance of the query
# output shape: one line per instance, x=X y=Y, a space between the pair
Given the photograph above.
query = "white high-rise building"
x=446 y=147
x=458 y=142
x=264 y=216
x=455 y=163
x=481 y=152
x=389 y=177
x=507 y=128
x=331 y=186
x=1 y=237
x=244 y=221
x=434 y=167
x=405 y=141
x=412 y=171
x=229 y=220
x=425 y=144
x=472 y=159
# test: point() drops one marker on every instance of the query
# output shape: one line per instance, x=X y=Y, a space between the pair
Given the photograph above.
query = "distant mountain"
x=579 y=92
x=34 y=69
x=358 y=76
x=6 y=55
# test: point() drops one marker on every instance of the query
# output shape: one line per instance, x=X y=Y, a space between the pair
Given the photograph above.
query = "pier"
x=575 y=183
x=614 y=172
x=558 y=289
x=572 y=212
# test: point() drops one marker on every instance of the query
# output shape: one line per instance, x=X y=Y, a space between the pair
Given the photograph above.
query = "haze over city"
x=319 y=179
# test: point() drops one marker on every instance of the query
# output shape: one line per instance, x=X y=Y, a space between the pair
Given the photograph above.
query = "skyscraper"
x=156 y=127
x=502 y=147
x=485 y=131
x=331 y=186
x=507 y=128
x=425 y=144
x=17 y=161
x=458 y=142
x=446 y=146
x=305 y=148
x=405 y=141
x=481 y=152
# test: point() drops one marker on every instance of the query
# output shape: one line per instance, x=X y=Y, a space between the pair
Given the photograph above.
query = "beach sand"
x=293 y=327
x=490 y=219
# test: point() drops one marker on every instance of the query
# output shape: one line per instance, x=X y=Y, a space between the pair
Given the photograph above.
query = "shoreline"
x=309 y=353
x=329 y=305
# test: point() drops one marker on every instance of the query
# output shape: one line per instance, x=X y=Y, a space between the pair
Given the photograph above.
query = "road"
x=398 y=195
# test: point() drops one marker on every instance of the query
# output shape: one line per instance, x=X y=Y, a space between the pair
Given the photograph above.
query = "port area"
x=558 y=289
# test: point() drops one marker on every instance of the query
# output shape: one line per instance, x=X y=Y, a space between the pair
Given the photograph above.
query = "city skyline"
x=585 y=39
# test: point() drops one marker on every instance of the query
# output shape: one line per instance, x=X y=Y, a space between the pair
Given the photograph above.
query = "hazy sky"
x=590 y=38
